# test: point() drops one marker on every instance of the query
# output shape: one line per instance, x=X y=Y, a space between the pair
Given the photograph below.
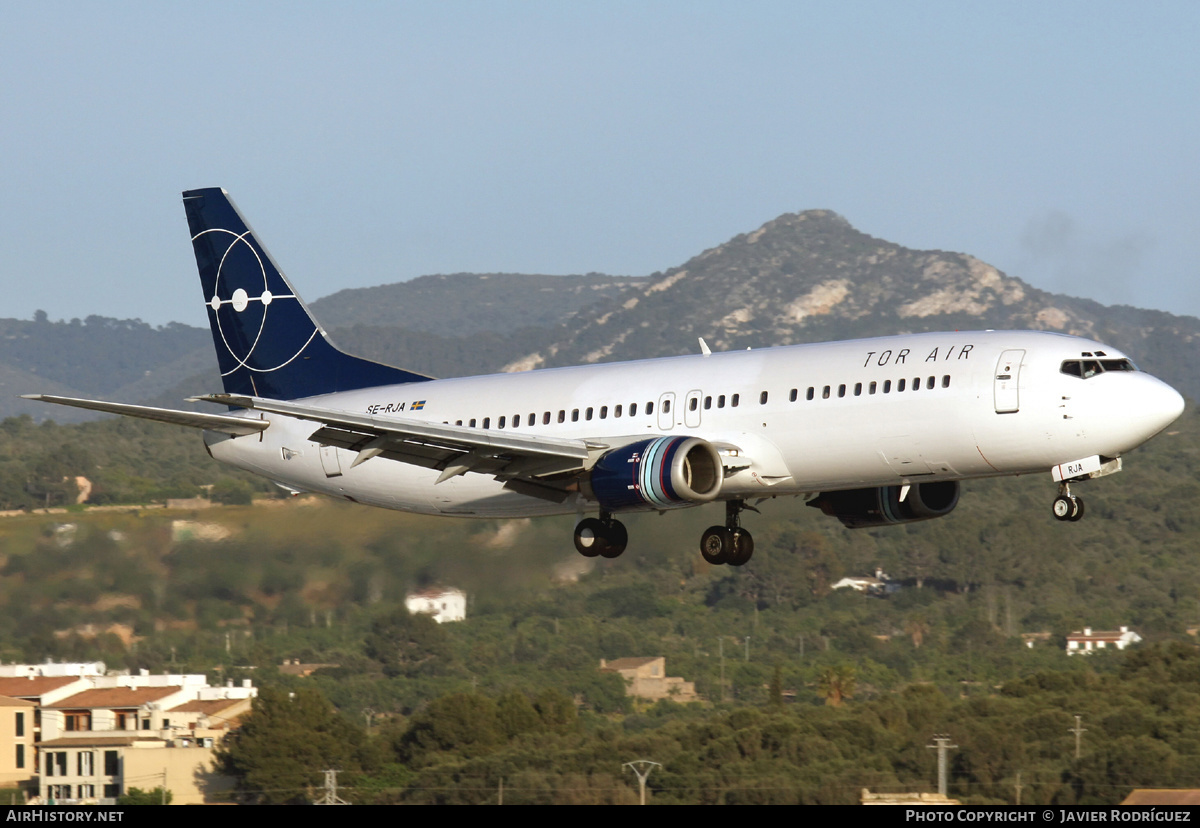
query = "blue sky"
x=374 y=142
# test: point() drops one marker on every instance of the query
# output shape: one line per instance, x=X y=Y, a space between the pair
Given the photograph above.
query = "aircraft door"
x=329 y=461
x=691 y=409
x=1008 y=377
x=666 y=411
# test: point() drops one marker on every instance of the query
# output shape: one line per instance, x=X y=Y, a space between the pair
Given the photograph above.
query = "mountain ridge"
x=801 y=277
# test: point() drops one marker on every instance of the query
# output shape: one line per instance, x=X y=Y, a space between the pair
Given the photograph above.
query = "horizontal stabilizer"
x=224 y=423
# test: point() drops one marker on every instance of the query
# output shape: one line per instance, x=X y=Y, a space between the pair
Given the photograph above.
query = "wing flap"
x=451 y=449
x=224 y=423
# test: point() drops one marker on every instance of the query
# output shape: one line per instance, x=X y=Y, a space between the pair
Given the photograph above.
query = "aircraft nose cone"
x=1158 y=405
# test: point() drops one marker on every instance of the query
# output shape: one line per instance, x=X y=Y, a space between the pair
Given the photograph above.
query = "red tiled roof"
x=209 y=707
x=630 y=663
x=21 y=687
x=115 y=697
x=9 y=701
x=99 y=741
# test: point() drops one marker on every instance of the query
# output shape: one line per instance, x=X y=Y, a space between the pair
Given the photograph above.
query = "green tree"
x=837 y=683
x=136 y=796
x=465 y=723
x=407 y=645
x=279 y=752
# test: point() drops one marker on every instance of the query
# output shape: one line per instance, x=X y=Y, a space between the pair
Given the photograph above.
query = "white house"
x=1091 y=640
x=444 y=604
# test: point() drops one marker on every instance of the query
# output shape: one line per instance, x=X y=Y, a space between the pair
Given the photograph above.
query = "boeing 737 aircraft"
x=872 y=432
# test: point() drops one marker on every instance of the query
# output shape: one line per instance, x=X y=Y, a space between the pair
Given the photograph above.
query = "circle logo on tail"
x=240 y=299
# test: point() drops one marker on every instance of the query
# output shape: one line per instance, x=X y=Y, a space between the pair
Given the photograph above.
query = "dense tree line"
x=473 y=748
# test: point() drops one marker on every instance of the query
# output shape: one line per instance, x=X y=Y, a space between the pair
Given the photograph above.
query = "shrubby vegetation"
x=832 y=691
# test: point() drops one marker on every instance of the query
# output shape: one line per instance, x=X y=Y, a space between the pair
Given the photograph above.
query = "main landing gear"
x=728 y=544
x=605 y=537
x=1067 y=506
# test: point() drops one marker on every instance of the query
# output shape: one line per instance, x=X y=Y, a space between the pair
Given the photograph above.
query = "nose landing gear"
x=1067 y=506
x=605 y=537
x=728 y=544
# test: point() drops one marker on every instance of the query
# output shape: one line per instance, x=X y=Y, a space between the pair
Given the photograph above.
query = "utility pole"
x=941 y=745
x=721 y=648
x=642 y=768
x=1018 y=788
x=501 y=792
x=1078 y=730
x=331 y=797
x=747 y=648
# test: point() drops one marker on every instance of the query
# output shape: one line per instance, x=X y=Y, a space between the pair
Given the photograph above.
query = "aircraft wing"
x=540 y=466
x=236 y=426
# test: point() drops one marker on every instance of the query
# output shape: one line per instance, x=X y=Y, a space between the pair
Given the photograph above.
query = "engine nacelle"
x=858 y=508
x=662 y=473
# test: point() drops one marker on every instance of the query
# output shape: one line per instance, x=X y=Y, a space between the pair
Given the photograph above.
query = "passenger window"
x=842 y=390
x=929 y=383
x=633 y=409
x=916 y=383
x=604 y=412
x=795 y=393
x=733 y=401
x=532 y=419
x=887 y=386
x=575 y=415
x=762 y=398
x=666 y=407
x=858 y=389
x=546 y=418
x=458 y=422
x=516 y=421
x=721 y=401
x=945 y=381
x=693 y=403
x=825 y=393
x=472 y=422
x=899 y=386
x=487 y=422
x=871 y=388
x=562 y=415
x=649 y=408
x=707 y=403
x=588 y=414
x=500 y=423
x=617 y=411
x=810 y=393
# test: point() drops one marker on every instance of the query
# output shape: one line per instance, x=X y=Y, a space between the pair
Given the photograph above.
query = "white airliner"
x=873 y=431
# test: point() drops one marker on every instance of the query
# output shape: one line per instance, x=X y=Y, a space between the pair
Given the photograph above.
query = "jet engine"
x=662 y=473
x=882 y=506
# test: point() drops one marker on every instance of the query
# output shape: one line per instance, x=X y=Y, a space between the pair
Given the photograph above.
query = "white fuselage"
x=989 y=403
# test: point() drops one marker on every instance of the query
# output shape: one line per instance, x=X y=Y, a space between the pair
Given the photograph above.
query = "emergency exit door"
x=1008 y=378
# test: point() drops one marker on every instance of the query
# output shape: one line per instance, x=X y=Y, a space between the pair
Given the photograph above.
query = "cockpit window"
x=1087 y=368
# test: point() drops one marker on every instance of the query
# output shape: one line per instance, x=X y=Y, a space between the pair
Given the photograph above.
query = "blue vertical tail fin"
x=268 y=343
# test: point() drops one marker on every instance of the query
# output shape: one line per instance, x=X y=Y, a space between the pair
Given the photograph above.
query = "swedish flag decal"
x=417 y=406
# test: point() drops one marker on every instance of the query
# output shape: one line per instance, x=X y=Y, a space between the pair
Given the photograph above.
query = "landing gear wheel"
x=743 y=548
x=616 y=539
x=590 y=538
x=1068 y=507
x=716 y=545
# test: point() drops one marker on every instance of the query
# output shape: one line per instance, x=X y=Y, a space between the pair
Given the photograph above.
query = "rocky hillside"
x=811 y=276
x=803 y=277
x=462 y=304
